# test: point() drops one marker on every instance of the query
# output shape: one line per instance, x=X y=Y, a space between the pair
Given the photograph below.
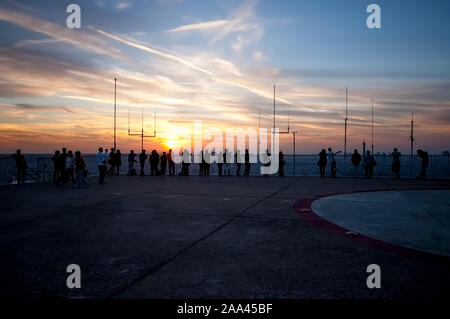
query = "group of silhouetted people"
x=158 y=163
x=71 y=167
x=369 y=163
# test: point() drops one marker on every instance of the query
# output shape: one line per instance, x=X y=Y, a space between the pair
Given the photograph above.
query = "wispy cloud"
x=121 y=5
x=30 y=107
x=242 y=23
x=80 y=40
x=25 y=43
x=201 y=26
x=160 y=53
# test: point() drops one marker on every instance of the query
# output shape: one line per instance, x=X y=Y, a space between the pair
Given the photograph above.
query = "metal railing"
x=41 y=167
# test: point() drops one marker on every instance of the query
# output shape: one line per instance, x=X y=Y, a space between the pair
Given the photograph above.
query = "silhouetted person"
x=247 y=163
x=268 y=160
x=171 y=164
x=226 y=163
x=396 y=162
x=62 y=165
x=163 y=160
x=70 y=166
x=425 y=161
x=56 y=168
x=322 y=163
x=106 y=157
x=101 y=159
x=356 y=162
x=207 y=158
x=220 y=159
x=112 y=162
x=185 y=163
x=131 y=161
x=154 y=161
x=80 y=167
x=21 y=166
x=281 y=164
x=118 y=162
x=202 y=164
x=142 y=160
x=369 y=163
x=237 y=160
x=332 y=161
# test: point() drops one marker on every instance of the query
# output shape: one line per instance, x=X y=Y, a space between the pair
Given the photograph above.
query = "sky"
x=217 y=61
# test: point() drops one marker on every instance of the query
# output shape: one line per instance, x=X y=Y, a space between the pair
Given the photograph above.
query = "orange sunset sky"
x=217 y=61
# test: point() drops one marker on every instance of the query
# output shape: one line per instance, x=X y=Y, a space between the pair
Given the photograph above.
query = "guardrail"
x=41 y=168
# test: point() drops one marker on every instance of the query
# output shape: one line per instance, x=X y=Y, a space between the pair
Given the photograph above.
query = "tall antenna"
x=293 y=147
x=115 y=88
x=412 y=133
x=346 y=119
x=274 y=116
x=142 y=135
x=259 y=126
x=345 y=131
x=288 y=120
x=372 y=126
x=259 y=118
x=274 y=107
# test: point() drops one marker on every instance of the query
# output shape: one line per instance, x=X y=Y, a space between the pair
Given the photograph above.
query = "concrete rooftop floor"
x=198 y=237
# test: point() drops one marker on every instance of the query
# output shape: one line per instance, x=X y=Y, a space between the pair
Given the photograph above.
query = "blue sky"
x=217 y=61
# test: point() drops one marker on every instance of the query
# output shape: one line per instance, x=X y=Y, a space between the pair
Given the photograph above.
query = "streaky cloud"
x=148 y=49
x=201 y=26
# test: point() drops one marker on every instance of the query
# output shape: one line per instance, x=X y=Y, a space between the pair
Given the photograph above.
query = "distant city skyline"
x=217 y=61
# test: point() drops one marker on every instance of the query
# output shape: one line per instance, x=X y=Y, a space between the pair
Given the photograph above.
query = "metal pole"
x=115 y=110
x=274 y=107
x=345 y=131
x=259 y=128
x=412 y=142
x=293 y=136
x=412 y=134
x=142 y=130
x=372 y=126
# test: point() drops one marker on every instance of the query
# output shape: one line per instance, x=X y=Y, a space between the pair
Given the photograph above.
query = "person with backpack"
x=80 y=166
x=369 y=163
x=356 y=161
